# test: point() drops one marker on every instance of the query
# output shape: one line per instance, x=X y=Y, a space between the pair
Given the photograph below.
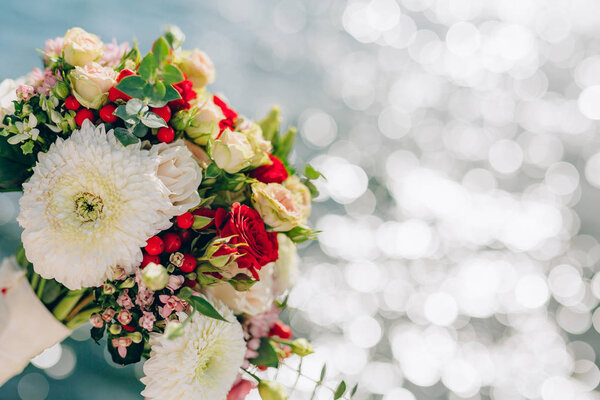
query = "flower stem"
x=82 y=317
x=65 y=306
x=79 y=307
x=251 y=374
x=40 y=288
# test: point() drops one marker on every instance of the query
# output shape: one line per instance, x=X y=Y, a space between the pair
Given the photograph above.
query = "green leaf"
x=15 y=167
x=152 y=120
x=171 y=93
x=125 y=137
x=160 y=49
x=339 y=392
x=174 y=36
x=312 y=173
x=133 y=55
x=212 y=171
x=140 y=130
x=171 y=74
x=147 y=67
x=133 y=107
x=201 y=305
x=132 y=85
x=267 y=355
x=156 y=91
x=323 y=373
x=97 y=334
x=353 y=391
x=27 y=147
x=286 y=144
x=270 y=125
x=51 y=291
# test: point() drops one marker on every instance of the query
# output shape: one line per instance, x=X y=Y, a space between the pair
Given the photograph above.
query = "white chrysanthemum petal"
x=201 y=364
x=121 y=201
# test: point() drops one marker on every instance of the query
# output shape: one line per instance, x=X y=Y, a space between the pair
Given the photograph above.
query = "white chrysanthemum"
x=91 y=204
x=180 y=173
x=201 y=364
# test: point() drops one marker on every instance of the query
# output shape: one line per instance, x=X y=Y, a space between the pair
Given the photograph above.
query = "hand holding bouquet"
x=155 y=211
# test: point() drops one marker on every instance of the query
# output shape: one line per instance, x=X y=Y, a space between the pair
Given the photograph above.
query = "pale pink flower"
x=25 y=92
x=145 y=296
x=172 y=303
x=176 y=259
x=113 y=53
x=124 y=317
x=108 y=314
x=124 y=300
x=96 y=321
x=240 y=390
x=122 y=344
x=147 y=321
x=54 y=47
x=175 y=282
x=44 y=80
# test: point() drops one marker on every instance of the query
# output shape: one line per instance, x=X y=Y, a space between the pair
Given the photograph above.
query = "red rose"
x=230 y=115
x=270 y=173
x=247 y=227
x=186 y=90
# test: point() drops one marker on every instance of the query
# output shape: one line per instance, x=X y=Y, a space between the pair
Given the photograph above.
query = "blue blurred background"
x=458 y=257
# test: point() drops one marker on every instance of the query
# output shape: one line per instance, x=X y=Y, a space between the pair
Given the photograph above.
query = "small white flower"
x=90 y=205
x=27 y=130
x=201 y=364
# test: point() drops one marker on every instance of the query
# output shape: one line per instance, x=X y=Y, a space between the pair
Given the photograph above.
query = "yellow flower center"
x=88 y=207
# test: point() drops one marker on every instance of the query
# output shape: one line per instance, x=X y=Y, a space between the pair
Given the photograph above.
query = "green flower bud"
x=127 y=283
x=155 y=276
x=109 y=289
x=136 y=337
x=270 y=390
x=115 y=329
x=61 y=90
x=301 y=347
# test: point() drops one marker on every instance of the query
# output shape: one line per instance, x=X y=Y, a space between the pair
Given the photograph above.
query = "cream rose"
x=82 y=48
x=232 y=152
x=90 y=84
x=301 y=194
x=277 y=206
x=204 y=123
x=260 y=146
x=197 y=66
x=180 y=173
x=258 y=299
x=285 y=269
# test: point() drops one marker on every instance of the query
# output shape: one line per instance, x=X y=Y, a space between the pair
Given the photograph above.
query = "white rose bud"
x=81 y=48
x=155 y=276
x=232 y=152
x=204 y=123
x=90 y=84
x=277 y=206
x=197 y=66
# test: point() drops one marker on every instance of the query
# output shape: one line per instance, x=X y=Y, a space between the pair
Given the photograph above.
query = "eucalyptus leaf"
x=158 y=91
x=171 y=74
x=267 y=355
x=140 y=130
x=312 y=173
x=339 y=392
x=160 y=49
x=152 y=120
x=133 y=106
x=125 y=137
x=353 y=391
x=147 y=67
x=171 y=93
x=132 y=85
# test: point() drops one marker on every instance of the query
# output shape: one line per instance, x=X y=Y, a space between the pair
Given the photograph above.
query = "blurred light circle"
x=33 y=386
x=562 y=178
x=394 y=123
x=441 y=308
x=463 y=38
x=506 y=156
x=531 y=291
x=573 y=321
x=595 y=285
x=380 y=377
x=318 y=128
x=345 y=181
x=399 y=394
x=48 y=357
x=565 y=281
x=587 y=374
x=363 y=276
x=589 y=102
x=364 y=331
x=592 y=170
x=65 y=366
x=558 y=388
x=410 y=239
x=462 y=378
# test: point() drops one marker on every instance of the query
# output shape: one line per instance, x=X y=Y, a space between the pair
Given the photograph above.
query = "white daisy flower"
x=201 y=364
x=90 y=205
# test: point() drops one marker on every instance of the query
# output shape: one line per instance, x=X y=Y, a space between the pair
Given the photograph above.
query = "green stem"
x=64 y=307
x=34 y=281
x=40 y=289
x=82 y=317
x=251 y=374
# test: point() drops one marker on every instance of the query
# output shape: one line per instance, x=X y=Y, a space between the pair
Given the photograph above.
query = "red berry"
x=115 y=94
x=281 y=330
x=163 y=112
x=172 y=242
x=186 y=236
x=149 y=259
x=166 y=134
x=82 y=115
x=124 y=73
x=189 y=283
x=185 y=221
x=189 y=263
x=106 y=113
x=262 y=367
x=155 y=246
x=71 y=103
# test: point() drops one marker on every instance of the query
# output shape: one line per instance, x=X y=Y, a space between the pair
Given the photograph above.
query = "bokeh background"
x=458 y=256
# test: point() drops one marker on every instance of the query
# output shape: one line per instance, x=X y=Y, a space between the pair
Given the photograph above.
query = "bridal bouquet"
x=153 y=210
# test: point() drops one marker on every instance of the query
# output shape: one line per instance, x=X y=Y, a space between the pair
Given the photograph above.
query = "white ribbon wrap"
x=27 y=328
